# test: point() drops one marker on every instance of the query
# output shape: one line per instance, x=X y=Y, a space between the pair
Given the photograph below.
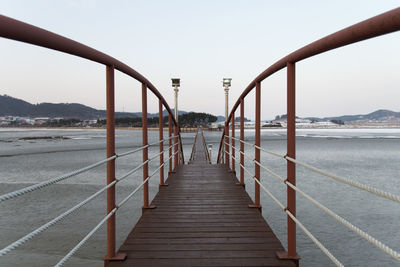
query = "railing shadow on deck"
x=376 y=26
x=23 y=32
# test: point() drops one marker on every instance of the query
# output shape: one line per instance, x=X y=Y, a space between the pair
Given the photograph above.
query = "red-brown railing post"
x=226 y=151
x=256 y=150
x=170 y=142
x=145 y=150
x=111 y=164
x=176 y=146
x=291 y=167
x=161 y=138
x=233 y=142
x=291 y=152
x=242 y=139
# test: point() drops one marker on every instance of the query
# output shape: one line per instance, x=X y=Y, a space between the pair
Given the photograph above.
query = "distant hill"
x=10 y=106
x=379 y=115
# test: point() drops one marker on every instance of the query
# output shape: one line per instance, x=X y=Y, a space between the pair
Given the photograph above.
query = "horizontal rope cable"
x=143 y=147
x=52 y=222
x=265 y=168
x=85 y=239
x=355 y=229
x=358 y=185
x=258 y=147
x=65 y=214
x=53 y=180
x=315 y=240
x=134 y=191
x=238 y=149
x=308 y=233
x=133 y=171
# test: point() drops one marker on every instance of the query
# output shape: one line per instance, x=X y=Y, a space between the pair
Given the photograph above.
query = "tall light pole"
x=226 y=82
x=176 y=83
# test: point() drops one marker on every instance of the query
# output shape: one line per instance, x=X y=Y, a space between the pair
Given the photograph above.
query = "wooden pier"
x=202 y=219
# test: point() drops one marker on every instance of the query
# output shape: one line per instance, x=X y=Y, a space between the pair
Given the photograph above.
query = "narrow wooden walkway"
x=202 y=219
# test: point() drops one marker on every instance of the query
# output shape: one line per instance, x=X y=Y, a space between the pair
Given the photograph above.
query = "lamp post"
x=176 y=83
x=226 y=82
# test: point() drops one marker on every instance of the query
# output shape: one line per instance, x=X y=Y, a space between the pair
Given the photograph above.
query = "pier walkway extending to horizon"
x=202 y=218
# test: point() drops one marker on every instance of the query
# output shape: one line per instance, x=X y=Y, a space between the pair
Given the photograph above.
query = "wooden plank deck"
x=202 y=219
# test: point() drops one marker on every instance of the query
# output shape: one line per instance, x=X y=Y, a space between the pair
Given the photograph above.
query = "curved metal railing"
x=23 y=32
x=379 y=25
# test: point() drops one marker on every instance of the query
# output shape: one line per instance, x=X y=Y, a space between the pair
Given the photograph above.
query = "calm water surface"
x=369 y=156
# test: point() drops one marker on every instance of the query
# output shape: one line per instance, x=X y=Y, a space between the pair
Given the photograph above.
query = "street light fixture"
x=176 y=82
x=227 y=83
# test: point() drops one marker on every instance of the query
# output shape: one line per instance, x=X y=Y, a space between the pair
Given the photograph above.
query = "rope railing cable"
x=143 y=147
x=352 y=227
x=308 y=233
x=92 y=232
x=258 y=147
x=52 y=222
x=68 y=212
x=85 y=239
x=343 y=221
x=43 y=184
x=134 y=191
x=358 y=185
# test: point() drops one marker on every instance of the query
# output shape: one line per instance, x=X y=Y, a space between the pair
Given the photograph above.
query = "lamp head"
x=176 y=82
x=226 y=82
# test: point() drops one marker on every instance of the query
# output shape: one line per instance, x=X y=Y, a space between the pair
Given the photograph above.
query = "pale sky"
x=201 y=42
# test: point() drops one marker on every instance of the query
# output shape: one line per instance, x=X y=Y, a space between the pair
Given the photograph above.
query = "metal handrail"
x=382 y=24
x=376 y=26
x=19 y=31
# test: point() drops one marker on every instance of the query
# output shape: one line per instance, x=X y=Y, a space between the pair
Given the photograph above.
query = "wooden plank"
x=204 y=262
x=202 y=219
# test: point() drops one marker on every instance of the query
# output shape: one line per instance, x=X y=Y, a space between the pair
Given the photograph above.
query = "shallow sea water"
x=369 y=156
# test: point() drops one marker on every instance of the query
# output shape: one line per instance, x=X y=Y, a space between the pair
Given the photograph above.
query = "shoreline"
x=193 y=129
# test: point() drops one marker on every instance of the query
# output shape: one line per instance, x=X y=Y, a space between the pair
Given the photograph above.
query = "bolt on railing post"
x=226 y=138
x=170 y=142
x=291 y=152
x=257 y=150
x=242 y=139
x=161 y=138
x=175 y=146
x=233 y=142
x=110 y=113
